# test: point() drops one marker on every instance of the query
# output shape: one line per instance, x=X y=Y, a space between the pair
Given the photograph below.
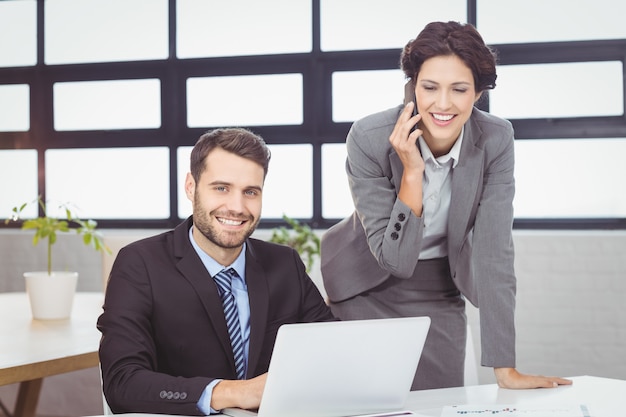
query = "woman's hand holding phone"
x=404 y=138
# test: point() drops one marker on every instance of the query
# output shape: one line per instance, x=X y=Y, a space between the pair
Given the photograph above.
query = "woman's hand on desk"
x=512 y=379
x=239 y=393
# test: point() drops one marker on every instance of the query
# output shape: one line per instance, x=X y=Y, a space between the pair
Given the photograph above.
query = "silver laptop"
x=342 y=368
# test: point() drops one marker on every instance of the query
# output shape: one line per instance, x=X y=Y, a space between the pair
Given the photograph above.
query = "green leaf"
x=46 y=228
x=300 y=237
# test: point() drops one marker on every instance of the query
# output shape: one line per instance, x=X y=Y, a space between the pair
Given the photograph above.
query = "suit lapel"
x=194 y=271
x=258 y=294
x=466 y=180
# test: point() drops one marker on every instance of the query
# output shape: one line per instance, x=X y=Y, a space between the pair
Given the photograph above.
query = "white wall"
x=571 y=316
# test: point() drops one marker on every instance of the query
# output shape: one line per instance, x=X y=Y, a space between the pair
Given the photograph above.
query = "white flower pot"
x=51 y=296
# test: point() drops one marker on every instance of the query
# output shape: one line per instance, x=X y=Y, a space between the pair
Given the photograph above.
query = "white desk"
x=31 y=350
x=604 y=397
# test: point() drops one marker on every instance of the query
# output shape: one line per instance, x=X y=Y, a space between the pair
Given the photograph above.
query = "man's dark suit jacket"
x=164 y=336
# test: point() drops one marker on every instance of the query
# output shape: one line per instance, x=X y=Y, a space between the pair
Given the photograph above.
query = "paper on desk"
x=402 y=413
x=515 y=410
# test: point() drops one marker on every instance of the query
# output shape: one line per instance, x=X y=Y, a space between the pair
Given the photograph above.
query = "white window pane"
x=18 y=33
x=554 y=90
x=570 y=178
x=182 y=159
x=359 y=93
x=288 y=186
x=359 y=25
x=82 y=31
x=14 y=108
x=112 y=183
x=520 y=21
x=258 y=100
x=289 y=183
x=336 y=197
x=242 y=27
x=94 y=105
x=18 y=181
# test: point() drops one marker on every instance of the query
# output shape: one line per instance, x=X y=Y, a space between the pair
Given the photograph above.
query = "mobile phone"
x=409 y=95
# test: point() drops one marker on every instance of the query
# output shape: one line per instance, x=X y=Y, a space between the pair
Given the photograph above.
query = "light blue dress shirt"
x=240 y=291
x=437 y=192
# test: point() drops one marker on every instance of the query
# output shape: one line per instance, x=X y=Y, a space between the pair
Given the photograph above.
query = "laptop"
x=342 y=368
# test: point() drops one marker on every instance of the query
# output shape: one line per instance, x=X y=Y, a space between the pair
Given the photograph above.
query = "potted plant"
x=51 y=293
x=301 y=238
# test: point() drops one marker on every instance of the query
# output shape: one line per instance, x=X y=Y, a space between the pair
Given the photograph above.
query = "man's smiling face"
x=227 y=202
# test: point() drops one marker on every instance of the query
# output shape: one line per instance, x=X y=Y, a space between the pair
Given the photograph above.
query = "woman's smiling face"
x=445 y=95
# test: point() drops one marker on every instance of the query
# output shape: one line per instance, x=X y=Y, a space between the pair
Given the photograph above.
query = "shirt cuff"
x=204 y=403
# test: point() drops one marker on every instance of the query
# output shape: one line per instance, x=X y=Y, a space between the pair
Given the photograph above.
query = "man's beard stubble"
x=202 y=222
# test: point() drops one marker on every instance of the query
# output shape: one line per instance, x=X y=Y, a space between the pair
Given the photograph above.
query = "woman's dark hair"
x=241 y=142
x=451 y=38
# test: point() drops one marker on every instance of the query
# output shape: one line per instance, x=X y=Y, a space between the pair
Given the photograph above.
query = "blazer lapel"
x=258 y=294
x=194 y=271
x=466 y=183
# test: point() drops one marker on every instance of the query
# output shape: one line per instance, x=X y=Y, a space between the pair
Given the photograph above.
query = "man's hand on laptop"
x=239 y=393
x=512 y=379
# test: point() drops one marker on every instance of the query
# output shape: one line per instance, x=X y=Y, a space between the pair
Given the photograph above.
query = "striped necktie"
x=223 y=279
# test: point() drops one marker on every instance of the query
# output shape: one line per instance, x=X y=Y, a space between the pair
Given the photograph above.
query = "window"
x=115 y=30
x=104 y=106
x=529 y=21
x=18 y=168
x=95 y=105
x=14 y=108
x=336 y=198
x=259 y=100
x=534 y=91
x=356 y=25
x=242 y=27
x=569 y=178
x=110 y=183
x=359 y=93
x=18 y=33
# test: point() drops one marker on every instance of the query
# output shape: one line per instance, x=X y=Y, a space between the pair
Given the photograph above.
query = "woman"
x=433 y=216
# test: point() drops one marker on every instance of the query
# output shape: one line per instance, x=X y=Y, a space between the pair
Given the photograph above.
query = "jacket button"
x=401 y=217
x=170 y=395
x=183 y=395
x=397 y=227
x=163 y=394
x=176 y=395
x=394 y=236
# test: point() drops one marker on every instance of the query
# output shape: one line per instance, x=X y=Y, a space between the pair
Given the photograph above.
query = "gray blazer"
x=383 y=237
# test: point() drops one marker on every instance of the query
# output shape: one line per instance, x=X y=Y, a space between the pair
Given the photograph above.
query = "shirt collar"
x=454 y=153
x=212 y=266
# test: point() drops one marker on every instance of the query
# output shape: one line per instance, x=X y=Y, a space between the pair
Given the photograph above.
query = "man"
x=168 y=342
